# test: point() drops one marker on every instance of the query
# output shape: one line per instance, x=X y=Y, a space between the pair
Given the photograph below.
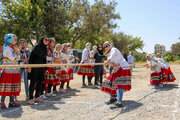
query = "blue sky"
x=155 y=21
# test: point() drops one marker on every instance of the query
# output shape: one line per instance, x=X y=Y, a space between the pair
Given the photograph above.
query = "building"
x=159 y=48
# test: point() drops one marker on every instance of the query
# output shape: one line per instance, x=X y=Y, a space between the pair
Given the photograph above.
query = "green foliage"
x=170 y=57
x=127 y=42
x=139 y=57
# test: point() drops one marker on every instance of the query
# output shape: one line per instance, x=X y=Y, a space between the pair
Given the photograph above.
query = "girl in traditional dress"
x=70 y=61
x=120 y=79
x=157 y=73
x=64 y=71
x=50 y=74
x=169 y=75
x=87 y=69
x=10 y=81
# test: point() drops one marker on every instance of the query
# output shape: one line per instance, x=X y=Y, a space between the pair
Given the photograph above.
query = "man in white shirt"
x=131 y=60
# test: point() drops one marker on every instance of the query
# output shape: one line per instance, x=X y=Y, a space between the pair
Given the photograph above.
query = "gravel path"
x=141 y=103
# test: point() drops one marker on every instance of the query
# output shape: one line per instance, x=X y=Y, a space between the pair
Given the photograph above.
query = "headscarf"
x=152 y=56
x=100 y=51
x=57 y=45
x=94 y=48
x=109 y=43
x=40 y=48
x=87 y=46
x=63 y=49
x=8 y=39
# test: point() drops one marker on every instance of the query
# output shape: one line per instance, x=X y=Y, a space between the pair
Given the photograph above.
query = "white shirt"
x=85 y=56
x=155 y=66
x=9 y=53
x=131 y=59
x=116 y=57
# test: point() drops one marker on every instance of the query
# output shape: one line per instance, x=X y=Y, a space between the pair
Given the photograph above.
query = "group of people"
x=41 y=79
x=160 y=70
x=44 y=81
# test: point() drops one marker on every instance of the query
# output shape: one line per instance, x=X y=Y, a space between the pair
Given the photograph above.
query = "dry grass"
x=170 y=63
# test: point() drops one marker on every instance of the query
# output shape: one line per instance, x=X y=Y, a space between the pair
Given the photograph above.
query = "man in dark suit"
x=124 y=55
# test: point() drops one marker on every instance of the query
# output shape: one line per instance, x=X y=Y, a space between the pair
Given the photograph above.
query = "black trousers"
x=36 y=76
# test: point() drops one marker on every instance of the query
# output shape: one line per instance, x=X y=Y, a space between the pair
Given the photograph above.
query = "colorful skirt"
x=118 y=79
x=70 y=73
x=51 y=77
x=64 y=77
x=168 y=75
x=86 y=70
x=10 y=82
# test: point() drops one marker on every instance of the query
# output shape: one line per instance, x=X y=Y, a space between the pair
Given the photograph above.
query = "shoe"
x=3 y=106
x=68 y=87
x=160 y=85
x=90 y=84
x=48 y=94
x=84 y=85
x=14 y=104
x=61 y=90
x=27 y=97
x=55 y=92
x=111 y=101
x=31 y=102
x=38 y=99
x=117 y=105
x=43 y=97
x=96 y=84
x=53 y=95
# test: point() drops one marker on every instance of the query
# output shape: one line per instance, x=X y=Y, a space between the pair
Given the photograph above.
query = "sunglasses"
x=46 y=40
x=106 y=46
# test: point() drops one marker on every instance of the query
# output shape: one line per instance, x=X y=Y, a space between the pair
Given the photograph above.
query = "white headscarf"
x=87 y=46
x=94 y=48
x=57 y=45
x=109 y=43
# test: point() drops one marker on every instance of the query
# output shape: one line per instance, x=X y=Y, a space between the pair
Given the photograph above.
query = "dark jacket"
x=125 y=56
x=98 y=69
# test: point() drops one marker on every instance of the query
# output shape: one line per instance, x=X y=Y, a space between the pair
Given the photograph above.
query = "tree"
x=127 y=42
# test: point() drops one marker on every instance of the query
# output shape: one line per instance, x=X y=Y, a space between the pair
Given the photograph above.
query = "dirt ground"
x=141 y=103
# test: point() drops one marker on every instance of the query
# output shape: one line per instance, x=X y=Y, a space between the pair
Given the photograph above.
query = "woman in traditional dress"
x=120 y=79
x=10 y=81
x=86 y=70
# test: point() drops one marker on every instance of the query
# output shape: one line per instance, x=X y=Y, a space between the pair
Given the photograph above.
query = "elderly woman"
x=120 y=79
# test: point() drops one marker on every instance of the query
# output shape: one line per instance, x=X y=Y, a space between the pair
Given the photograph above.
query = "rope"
x=47 y=65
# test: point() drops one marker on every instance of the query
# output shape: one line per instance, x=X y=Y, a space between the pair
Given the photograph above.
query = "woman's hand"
x=29 y=70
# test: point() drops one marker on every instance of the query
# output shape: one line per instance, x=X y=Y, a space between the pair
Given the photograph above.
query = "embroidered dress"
x=168 y=75
x=158 y=72
x=10 y=81
x=86 y=69
x=50 y=77
x=121 y=75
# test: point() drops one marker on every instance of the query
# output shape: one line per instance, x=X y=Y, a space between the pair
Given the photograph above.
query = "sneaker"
x=38 y=99
x=52 y=94
x=117 y=105
x=14 y=104
x=43 y=97
x=3 y=106
x=111 y=101
x=48 y=94
x=31 y=102
x=160 y=85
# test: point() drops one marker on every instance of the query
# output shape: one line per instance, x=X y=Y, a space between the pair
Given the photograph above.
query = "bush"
x=170 y=57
